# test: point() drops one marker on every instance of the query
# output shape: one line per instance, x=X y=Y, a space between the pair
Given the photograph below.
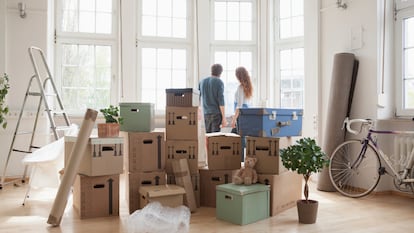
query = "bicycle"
x=355 y=166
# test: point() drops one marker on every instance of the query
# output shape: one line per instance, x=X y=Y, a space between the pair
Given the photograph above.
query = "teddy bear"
x=246 y=175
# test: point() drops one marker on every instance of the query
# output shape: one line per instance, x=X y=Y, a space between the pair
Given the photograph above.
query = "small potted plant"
x=305 y=157
x=112 y=121
x=4 y=109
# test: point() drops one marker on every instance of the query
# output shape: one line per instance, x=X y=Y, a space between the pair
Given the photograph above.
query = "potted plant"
x=112 y=121
x=4 y=109
x=305 y=157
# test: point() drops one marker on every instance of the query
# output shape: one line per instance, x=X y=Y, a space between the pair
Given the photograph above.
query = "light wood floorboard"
x=375 y=213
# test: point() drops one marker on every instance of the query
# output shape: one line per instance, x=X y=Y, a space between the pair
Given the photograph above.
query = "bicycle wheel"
x=351 y=174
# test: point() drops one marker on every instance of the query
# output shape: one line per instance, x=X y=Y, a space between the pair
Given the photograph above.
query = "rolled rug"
x=343 y=81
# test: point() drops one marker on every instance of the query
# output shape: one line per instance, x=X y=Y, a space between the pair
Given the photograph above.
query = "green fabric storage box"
x=242 y=204
x=138 y=117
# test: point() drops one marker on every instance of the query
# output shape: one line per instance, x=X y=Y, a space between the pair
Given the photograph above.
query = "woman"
x=242 y=96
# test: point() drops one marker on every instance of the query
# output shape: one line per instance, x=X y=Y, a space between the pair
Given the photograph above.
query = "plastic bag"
x=156 y=218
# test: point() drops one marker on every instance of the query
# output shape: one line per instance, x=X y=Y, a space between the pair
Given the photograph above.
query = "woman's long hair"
x=244 y=79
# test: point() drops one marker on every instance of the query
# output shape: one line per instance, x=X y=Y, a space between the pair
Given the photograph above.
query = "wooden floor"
x=375 y=213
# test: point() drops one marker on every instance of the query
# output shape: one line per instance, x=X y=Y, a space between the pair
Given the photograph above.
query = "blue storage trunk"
x=270 y=122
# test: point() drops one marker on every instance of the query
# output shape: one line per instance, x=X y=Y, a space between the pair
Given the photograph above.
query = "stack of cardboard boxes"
x=183 y=134
x=144 y=151
x=223 y=159
x=96 y=187
x=268 y=130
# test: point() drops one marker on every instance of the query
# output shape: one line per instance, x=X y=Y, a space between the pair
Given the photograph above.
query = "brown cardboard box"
x=167 y=195
x=103 y=156
x=195 y=180
x=145 y=151
x=133 y=181
x=266 y=150
x=208 y=181
x=285 y=190
x=181 y=123
x=223 y=151
x=182 y=97
x=179 y=149
x=96 y=196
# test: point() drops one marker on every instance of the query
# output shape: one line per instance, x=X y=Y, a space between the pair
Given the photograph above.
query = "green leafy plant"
x=305 y=157
x=4 y=109
x=111 y=114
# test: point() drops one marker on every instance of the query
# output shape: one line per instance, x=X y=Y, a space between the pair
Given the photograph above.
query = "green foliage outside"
x=4 y=109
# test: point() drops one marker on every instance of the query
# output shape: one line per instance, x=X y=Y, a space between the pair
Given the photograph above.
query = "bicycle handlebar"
x=348 y=123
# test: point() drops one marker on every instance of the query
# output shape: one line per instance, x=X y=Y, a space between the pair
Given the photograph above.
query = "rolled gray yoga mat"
x=344 y=73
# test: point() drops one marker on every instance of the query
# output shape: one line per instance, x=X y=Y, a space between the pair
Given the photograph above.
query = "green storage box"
x=242 y=204
x=138 y=117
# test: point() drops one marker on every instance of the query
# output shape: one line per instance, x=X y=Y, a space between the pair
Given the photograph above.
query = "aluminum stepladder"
x=37 y=55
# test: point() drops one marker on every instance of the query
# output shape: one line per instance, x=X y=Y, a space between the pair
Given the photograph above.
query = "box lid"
x=134 y=104
x=271 y=111
x=218 y=134
x=161 y=190
x=181 y=90
x=242 y=189
x=97 y=140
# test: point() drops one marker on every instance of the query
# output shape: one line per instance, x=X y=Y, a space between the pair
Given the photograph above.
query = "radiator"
x=403 y=148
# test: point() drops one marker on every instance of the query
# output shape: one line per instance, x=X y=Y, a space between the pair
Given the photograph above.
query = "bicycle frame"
x=369 y=139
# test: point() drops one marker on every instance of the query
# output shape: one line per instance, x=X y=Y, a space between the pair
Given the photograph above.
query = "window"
x=234 y=44
x=290 y=53
x=86 y=54
x=164 y=49
x=405 y=60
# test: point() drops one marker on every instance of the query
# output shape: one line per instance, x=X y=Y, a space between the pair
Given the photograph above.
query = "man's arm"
x=223 y=117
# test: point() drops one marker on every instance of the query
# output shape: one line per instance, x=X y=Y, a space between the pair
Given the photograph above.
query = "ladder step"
x=24 y=132
x=40 y=94
x=22 y=151
x=60 y=128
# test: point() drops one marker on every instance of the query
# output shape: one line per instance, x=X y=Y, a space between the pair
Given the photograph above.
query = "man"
x=212 y=96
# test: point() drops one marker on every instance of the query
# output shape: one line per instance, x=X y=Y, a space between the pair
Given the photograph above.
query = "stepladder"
x=41 y=94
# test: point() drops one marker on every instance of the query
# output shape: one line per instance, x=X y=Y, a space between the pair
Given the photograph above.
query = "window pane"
x=162 y=68
x=233 y=20
x=230 y=60
x=86 y=76
x=291 y=18
x=409 y=93
x=409 y=32
x=104 y=24
x=291 y=78
x=164 y=18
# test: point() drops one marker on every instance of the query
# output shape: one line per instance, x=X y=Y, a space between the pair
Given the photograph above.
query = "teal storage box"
x=242 y=204
x=270 y=122
x=138 y=117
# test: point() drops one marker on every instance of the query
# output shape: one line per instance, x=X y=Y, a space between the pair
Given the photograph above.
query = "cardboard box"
x=133 y=181
x=167 y=195
x=96 y=196
x=266 y=150
x=242 y=204
x=138 y=117
x=223 y=151
x=285 y=190
x=103 y=156
x=209 y=179
x=270 y=122
x=182 y=97
x=195 y=180
x=181 y=123
x=179 y=149
x=145 y=151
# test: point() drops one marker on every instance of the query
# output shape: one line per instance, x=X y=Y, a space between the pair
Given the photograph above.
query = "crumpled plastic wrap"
x=156 y=218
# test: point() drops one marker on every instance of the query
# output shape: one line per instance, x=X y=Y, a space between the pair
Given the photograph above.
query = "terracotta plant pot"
x=108 y=130
x=307 y=211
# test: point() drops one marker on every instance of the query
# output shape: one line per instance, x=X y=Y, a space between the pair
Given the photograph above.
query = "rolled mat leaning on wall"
x=344 y=73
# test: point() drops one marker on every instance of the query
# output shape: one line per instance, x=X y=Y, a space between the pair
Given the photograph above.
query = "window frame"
x=79 y=38
x=165 y=42
x=284 y=44
x=403 y=13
